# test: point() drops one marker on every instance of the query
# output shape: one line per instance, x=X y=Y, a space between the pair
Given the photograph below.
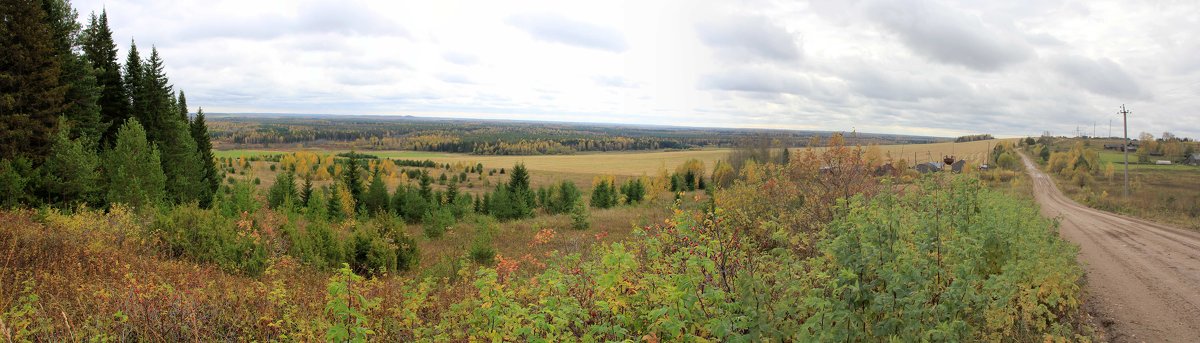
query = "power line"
x=1125 y=118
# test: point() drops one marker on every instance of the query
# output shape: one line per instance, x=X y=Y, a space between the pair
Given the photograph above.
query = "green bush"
x=580 y=217
x=482 y=251
x=205 y=236
x=437 y=221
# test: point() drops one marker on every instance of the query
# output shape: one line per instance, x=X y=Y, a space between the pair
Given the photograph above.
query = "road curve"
x=1143 y=278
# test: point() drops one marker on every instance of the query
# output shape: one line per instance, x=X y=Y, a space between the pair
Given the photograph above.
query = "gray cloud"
x=1100 y=76
x=755 y=80
x=899 y=87
x=558 y=29
x=950 y=36
x=742 y=38
x=346 y=18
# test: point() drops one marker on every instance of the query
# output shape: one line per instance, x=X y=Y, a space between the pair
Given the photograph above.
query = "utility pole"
x=1125 y=118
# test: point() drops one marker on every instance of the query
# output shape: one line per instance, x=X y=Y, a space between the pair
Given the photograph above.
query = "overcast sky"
x=918 y=67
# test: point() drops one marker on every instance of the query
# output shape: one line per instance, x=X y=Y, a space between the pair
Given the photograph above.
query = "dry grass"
x=1166 y=196
x=919 y=153
x=602 y=163
x=95 y=278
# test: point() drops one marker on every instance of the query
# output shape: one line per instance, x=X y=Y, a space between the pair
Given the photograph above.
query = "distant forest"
x=496 y=137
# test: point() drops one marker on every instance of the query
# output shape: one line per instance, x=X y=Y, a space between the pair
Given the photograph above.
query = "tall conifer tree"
x=132 y=168
x=101 y=50
x=210 y=180
x=31 y=93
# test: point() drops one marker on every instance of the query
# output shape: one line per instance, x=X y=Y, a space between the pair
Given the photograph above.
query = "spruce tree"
x=451 y=191
x=71 y=175
x=352 y=178
x=306 y=193
x=132 y=168
x=333 y=205
x=81 y=96
x=282 y=191
x=425 y=190
x=15 y=178
x=101 y=50
x=397 y=200
x=31 y=93
x=181 y=106
x=210 y=179
x=164 y=127
x=377 y=195
x=134 y=89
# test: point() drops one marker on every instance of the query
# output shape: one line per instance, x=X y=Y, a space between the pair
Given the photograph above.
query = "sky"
x=941 y=68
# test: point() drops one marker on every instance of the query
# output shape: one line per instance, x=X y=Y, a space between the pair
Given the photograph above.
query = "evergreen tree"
x=426 y=191
x=157 y=98
x=397 y=201
x=352 y=178
x=31 y=93
x=307 y=192
x=413 y=206
x=71 y=170
x=80 y=100
x=634 y=191
x=580 y=216
x=518 y=184
x=210 y=179
x=518 y=179
x=134 y=173
x=565 y=198
x=451 y=191
x=377 y=195
x=787 y=156
x=604 y=195
x=333 y=205
x=101 y=50
x=181 y=106
x=181 y=160
x=283 y=191
x=134 y=89
x=14 y=182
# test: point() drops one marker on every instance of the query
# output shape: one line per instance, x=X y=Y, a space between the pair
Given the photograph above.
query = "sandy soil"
x=1143 y=278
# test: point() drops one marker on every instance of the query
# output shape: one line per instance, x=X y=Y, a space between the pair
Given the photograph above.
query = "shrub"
x=347 y=308
x=604 y=193
x=437 y=221
x=283 y=191
x=205 y=236
x=482 y=251
x=580 y=217
x=634 y=191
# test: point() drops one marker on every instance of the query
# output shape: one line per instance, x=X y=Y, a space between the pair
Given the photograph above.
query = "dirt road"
x=1143 y=277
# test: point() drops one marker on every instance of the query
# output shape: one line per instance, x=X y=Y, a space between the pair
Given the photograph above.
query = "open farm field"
x=603 y=163
x=931 y=152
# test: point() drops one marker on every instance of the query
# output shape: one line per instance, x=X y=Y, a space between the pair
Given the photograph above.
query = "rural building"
x=957 y=167
x=1131 y=148
x=1194 y=159
x=930 y=167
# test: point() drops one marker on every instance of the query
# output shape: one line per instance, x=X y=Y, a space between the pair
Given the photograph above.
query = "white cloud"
x=931 y=67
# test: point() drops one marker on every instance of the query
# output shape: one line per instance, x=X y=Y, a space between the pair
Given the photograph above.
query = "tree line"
x=77 y=127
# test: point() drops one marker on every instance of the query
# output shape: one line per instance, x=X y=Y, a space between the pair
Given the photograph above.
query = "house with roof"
x=929 y=167
x=1192 y=160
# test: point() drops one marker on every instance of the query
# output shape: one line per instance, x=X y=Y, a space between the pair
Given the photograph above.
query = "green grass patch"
x=1118 y=159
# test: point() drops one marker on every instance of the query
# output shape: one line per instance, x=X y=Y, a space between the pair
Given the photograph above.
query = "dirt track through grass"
x=1143 y=278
